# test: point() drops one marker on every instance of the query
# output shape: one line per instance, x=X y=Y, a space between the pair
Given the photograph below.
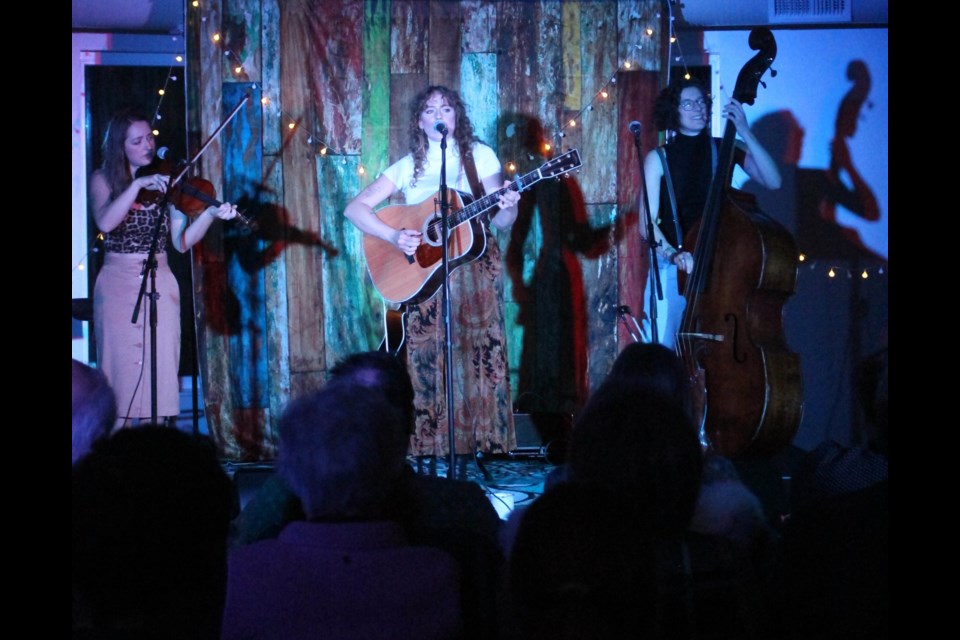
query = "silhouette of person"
x=807 y=200
x=553 y=362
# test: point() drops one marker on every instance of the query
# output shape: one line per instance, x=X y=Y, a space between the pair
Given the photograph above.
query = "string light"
x=833 y=270
x=674 y=40
x=162 y=91
x=81 y=264
x=603 y=93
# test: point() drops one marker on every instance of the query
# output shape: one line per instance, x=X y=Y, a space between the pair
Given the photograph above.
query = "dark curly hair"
x=463 y=133
x=666 y=114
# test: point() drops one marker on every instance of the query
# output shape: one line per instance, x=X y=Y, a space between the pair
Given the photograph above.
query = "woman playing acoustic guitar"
x=483 y=417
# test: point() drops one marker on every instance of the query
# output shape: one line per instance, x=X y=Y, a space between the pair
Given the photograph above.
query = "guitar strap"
x=673 y=196
x=475 y=185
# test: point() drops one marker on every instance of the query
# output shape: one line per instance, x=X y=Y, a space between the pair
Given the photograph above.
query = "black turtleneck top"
x=691 y=169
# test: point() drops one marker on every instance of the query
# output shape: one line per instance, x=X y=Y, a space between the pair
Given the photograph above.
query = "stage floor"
x=509 y=481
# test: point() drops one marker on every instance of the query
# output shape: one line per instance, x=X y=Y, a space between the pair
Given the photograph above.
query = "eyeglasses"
x=688 y=105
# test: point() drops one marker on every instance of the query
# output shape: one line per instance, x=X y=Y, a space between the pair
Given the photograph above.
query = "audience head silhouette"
x=341 y=453
x=383 y=371
x=94 y=408
x=653 y=367
x=592 y=579
x=151 y=509
x=639 y=440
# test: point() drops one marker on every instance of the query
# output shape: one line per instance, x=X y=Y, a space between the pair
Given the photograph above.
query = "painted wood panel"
x=240 y=34
x=270 y=79
x=478 y=82
x=375 y=146
x=348 y=296
x=634 y=18
x=572 y=74
x=336 y=72
x=245 y=309
x=276 y=331
x=304 y=285
x=443 y=52
x=210 y=281
x=600 y=285
x=599 y=120
x=409 y=40
x=478 y=25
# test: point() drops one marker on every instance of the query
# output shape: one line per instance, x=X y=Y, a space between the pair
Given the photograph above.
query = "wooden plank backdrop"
x=330 y=86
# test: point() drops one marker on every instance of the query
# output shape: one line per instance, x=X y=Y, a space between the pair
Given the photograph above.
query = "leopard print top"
x=136 y=231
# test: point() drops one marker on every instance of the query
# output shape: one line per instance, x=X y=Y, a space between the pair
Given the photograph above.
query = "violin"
x=192 y=196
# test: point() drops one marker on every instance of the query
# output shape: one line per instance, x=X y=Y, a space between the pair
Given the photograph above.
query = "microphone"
x=162 y=153
x=634 y=127
x=440 y=127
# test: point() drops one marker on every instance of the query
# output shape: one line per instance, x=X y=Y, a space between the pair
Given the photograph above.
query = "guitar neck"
x=490 y=200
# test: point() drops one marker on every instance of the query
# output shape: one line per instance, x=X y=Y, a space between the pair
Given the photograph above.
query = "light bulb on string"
x=832 y=273
x=864 y=275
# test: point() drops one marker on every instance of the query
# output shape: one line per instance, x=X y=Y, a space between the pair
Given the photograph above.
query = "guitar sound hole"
x=431 y=231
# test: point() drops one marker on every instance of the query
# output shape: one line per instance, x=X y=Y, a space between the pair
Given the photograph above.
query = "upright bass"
x=747 y=382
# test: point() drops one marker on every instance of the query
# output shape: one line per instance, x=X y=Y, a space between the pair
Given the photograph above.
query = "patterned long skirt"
x=483 y=412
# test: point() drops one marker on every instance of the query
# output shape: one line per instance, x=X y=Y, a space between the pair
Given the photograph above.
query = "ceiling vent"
x=809 y=11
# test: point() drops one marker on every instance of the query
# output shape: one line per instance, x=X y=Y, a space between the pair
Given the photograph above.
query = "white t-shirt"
x=401 y=171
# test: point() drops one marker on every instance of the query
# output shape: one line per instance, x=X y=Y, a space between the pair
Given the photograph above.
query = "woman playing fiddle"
x=127 y=220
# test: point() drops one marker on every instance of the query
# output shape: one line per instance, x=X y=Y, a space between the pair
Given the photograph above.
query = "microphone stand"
x=149 y=272
x=651 y=243
x=150 y=268
x=447 y=340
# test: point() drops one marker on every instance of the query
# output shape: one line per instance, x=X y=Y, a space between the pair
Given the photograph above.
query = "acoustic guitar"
x=401 y=278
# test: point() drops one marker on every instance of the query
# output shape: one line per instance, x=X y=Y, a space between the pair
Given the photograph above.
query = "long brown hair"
x=463 y=133
x=116 y=167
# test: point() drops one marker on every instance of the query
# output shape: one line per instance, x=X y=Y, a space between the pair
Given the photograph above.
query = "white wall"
x=810 y=83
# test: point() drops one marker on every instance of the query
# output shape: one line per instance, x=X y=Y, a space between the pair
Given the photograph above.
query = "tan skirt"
x=123 y=347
